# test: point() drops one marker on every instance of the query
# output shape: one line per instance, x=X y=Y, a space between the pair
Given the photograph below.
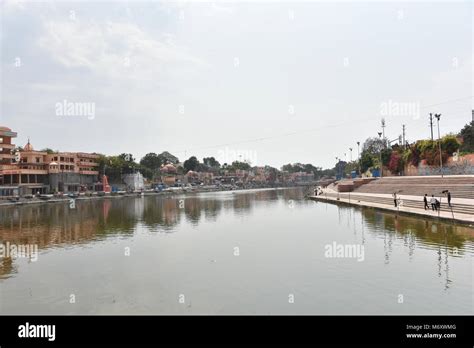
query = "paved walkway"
x=441 y=198
x=385 y=202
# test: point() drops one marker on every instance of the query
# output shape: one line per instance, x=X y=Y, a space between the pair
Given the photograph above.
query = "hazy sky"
x=272 y=82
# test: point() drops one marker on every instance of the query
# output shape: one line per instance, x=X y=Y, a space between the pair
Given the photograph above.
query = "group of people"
x=435 y=203
x=318 y=191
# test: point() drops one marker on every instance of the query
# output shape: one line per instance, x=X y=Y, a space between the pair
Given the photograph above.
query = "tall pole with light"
x=381 y=165
x=358 y=154
x=383 y=132
x=438 y=116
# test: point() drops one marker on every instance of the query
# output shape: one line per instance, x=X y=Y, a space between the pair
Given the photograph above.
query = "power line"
x=304 y=131
x=273 y=137
x=447 y=101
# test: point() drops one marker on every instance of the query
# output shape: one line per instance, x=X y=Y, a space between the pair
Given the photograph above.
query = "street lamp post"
x=383 y=132
x=381 y=165
x=350 y=149
x=358 y=154
x=438 y=116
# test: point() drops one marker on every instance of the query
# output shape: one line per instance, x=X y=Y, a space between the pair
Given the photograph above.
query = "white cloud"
x=111 y=47
x=12 y=6
x=215 y=9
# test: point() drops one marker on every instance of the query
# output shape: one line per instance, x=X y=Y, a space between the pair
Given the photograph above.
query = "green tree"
x=116 y=166
x=386 y=155
x=467 y=134
x=240 y=165
x=211 y=162
x=151 y=160
x=373 y=146
x=191 y=164
x=166 y=157
x=450 y=144
x=271 y=172
x=293 y=168
x=366 y=161
x=147 y=172
x=48 y=150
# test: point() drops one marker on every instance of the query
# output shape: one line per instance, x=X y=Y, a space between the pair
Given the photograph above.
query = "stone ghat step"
x=418 y=189
x=421 y=193
x=391 y=189
x=457 y=208
x=421 y=181
x=424 y=183
x=406 y=202
x=420 y=206
x=364 y=197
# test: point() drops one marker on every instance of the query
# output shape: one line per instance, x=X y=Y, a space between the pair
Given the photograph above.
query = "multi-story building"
x=6 y=159
x=72 y=171
x=29 y=171
x=302 y=178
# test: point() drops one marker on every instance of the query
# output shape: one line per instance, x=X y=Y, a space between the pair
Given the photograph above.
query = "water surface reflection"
x=281 y=235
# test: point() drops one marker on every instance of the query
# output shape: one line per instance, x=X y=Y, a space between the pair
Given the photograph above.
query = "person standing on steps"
x=449 y=199
x=433 y=203
x=395 y=199
x=425 y=200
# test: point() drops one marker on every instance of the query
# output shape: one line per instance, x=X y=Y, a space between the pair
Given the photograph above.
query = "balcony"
x=88 y=164
x=41 y=164
x=13 y=170
x=5 y=156
x=7 y=146
x=87 y=155
x=33 y=171
x=8 y=166
x=89 y=172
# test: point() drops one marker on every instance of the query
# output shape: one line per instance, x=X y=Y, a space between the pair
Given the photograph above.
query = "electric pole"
x=431 y=125
x=383 y=131
x=403 y=139
x=358 y=154
x=438 y=116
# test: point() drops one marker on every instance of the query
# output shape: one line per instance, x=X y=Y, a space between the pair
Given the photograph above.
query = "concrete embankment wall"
x=463 y=215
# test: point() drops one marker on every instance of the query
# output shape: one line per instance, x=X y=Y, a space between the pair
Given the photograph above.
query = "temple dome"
x=28 y=147
x=169 y=169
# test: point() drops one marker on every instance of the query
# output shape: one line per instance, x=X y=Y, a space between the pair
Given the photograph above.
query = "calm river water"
x=248 y=252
